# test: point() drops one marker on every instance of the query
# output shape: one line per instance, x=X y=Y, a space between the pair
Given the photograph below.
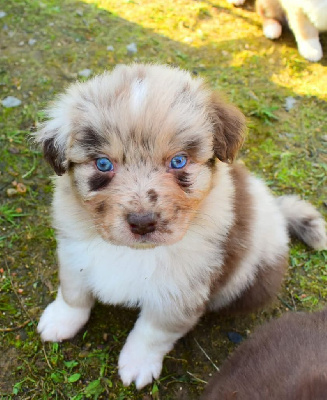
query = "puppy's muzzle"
x=142 y=223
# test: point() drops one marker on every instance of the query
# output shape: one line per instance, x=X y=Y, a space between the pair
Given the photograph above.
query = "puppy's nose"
x=142 y=223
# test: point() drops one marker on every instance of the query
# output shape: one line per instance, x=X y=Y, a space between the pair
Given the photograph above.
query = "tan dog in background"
x=306 y=18
x=150 y=211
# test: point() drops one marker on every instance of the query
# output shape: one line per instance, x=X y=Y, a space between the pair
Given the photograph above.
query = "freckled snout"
x=142 y=223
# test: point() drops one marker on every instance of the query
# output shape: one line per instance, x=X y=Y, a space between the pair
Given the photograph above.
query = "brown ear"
x=229 y=128
x=52 y=141
x=53 y=156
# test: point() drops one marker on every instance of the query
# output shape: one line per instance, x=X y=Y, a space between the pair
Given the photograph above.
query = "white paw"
x=236 y=2
x=59 y=321
x=272 y=29
x=310 y=49
x=139 y=364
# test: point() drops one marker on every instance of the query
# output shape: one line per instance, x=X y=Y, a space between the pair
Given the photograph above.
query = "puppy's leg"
x=64 y=317
x=61 y=321
x=152 y=337
x=236 y=2
x=306 y=35
x=262 y=291
x=272 y=15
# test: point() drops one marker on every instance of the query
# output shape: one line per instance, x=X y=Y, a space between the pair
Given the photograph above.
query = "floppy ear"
x=54 y=156
x=53 y=136
x=229 y=128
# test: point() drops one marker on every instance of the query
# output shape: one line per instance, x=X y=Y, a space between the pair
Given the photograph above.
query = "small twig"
x=176 y=359
x=206 y=354
x=45 y=356
x=28 y=366
x=197 y=379
x=294 y=304
x=15 y=328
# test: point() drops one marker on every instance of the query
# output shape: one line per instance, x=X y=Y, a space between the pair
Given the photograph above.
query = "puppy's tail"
x=304 y=221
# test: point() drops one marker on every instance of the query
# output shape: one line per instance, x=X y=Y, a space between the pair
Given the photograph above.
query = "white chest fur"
x=121 y=275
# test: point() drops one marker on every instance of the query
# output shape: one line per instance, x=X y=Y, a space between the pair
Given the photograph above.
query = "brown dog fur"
x=285 y=359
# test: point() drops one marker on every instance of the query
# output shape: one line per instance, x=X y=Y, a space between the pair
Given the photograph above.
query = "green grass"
x=288 y=150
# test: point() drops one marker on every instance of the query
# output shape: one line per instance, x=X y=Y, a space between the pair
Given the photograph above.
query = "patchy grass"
x=287 y=149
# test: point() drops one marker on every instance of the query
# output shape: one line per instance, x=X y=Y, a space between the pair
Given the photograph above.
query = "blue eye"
x=104 y=164
x=178 y=162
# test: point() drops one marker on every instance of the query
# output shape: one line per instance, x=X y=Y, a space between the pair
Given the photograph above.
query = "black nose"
x=142 y=223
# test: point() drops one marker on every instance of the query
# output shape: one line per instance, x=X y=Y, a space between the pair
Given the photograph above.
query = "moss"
x=225 y=46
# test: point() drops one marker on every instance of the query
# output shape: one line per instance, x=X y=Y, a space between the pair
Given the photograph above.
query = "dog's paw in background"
x=60 y=321
x=272 y=29
x=310 y=49
x=236 y=2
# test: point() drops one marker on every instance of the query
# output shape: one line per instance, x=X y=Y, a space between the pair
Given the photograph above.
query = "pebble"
x=32 y=42
x=10 y=102
x=235 y=337
x=289 y=103
x=21 y=188
x=11 y=192
x=131 y=48
x=85 y=72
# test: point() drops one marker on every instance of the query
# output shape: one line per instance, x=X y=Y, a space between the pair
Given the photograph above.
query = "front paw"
x=272 y=29
x=139 y=364
x=60 y=321
x=236 y=2
x=310 y=49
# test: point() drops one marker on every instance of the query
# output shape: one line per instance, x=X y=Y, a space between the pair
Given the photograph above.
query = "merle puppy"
x=151 y=212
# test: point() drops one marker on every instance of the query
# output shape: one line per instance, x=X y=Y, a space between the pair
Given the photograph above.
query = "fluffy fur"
x=172 y=242
x=306 y=18
x=285 y=359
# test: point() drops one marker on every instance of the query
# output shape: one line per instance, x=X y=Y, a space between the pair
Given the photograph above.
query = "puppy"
x=283 y=360
x=306 y=19
x=150 y=211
